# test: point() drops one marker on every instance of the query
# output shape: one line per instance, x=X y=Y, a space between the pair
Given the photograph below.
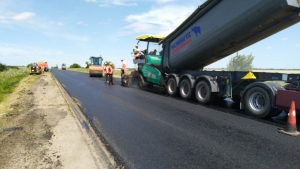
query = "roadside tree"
x=75 y=65
x=87 y=64
x=240 y=63
x=2 y=67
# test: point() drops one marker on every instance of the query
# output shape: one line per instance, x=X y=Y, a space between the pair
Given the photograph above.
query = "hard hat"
x=136 y=45
x=110 y=63
x=122 y=59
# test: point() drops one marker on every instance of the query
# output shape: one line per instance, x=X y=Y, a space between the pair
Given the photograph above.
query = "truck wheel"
x=172 y=87
x=236 y=99
x=185 y=89
x=203 y=93
x=257 y=102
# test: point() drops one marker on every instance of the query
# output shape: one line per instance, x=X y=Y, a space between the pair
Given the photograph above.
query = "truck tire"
x=257 y=102
x=172 y=87
x=203 y=93
x=236 y=99
x=185 y=89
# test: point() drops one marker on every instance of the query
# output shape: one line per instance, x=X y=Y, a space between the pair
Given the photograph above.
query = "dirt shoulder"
x=40 y=127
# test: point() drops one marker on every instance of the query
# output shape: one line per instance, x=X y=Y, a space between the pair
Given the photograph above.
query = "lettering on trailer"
x=185 y=40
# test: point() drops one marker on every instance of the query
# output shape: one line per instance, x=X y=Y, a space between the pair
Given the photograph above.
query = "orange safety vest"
x=104 y=69
x=110 y=70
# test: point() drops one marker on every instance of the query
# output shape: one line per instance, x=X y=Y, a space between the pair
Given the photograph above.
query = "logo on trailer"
x=185 y=40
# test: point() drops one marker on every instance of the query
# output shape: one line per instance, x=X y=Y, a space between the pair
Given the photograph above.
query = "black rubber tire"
x=185 y=89
x=140 y=83
x=236 y=99
x=275 y=112
x=203 y=93
x=172 y=88
x=257 y=102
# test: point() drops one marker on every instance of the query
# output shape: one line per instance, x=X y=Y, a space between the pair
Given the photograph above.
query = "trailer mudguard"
x=175 y=76
x=272 y=89
x=190 y=77
x=213 y=83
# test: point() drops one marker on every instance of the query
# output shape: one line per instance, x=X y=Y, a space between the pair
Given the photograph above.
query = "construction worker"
x=138 y=54
x=104 y=71
x=110 y=74
x=123 y=69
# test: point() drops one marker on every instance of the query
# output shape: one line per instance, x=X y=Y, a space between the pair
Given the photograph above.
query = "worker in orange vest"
x=110 y=74
x=105 y=72
x=123 y=69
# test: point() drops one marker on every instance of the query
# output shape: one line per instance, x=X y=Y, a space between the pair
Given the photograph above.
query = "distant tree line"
x=4 y=67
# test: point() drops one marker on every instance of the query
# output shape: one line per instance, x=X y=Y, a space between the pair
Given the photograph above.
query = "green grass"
x=10 y=79
x=84 y=70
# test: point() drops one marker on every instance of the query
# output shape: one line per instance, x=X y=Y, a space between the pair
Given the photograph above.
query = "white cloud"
x=269 y=47
x=164 y=1
x=23 y=55
x=159 y=21
x=55 y=23
x=23 y=16
x=105 y=3
x=298 y=45
x=60 y=24
x=284 y=39
x=80 y=23
x=90 y=1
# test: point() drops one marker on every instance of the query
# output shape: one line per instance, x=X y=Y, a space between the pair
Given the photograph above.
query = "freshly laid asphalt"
x=147 y=130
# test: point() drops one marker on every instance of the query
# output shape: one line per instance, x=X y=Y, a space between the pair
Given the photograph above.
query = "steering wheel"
x=144 y=51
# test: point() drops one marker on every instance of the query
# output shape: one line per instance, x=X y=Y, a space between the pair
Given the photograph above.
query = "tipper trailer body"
x=213 y=31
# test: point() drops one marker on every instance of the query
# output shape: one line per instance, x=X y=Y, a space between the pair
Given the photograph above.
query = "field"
x=10 y=79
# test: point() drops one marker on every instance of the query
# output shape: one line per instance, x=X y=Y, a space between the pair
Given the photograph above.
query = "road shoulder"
x=41 y=127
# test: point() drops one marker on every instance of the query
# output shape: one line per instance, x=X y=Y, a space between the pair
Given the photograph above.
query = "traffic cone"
x=291 y=127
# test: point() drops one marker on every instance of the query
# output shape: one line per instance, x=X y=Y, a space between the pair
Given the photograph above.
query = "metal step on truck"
x=216 y=29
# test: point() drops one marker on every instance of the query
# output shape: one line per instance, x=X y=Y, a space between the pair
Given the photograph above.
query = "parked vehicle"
x=96 y=68
x=63 y=66
x=43 y=66
x=34 y=69
x=213 y=31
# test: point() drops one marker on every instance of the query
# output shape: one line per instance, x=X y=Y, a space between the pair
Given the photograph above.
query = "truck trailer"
x=216 y=29
x=43 y=65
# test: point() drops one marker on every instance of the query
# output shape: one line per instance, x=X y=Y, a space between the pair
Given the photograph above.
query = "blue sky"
x=70 y=31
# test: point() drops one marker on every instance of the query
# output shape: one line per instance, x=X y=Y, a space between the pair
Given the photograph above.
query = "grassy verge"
x=84 y=70
x=10 y=79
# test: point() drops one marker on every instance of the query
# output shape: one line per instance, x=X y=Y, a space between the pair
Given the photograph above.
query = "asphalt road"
x=147 y=130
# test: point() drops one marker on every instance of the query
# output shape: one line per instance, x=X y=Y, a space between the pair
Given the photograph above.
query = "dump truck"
x=217 y=29
x=43 y=65
x=34 y=69
x=96 y=68
x=63 y=66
